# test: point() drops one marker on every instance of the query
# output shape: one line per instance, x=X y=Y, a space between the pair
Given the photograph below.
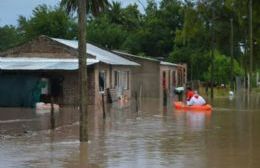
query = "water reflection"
x=24 y=120
x=195 y=120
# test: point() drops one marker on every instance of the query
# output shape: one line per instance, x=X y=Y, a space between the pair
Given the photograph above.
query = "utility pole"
x=232 y=55
x=250 y=45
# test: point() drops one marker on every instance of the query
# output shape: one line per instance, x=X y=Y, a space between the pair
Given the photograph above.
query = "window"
x=121 y=79
x=125 y=79
x=164 y=80
x=45 y=86
x=174 y=78
x=115 y=79
x=102 y=80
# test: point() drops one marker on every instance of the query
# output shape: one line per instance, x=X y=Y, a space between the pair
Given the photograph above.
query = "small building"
x=172 y=75
x=48 y=67
x=154 y=76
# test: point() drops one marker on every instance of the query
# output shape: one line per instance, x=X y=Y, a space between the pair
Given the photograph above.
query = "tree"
x=222 y=66
x=115 y=13
x=53 y=22
x=83 y=7
x=193 y=39
x=104 y=33
x=10 y=37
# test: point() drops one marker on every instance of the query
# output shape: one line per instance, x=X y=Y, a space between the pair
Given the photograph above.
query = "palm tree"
x=93 y=7
x=115 y=12
x=83 y=7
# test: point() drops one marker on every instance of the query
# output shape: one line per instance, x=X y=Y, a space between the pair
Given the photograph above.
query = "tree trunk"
x=82 y=71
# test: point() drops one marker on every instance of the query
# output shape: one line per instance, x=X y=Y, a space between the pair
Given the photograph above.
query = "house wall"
x=41 y=47
x=181 y=75
x=145 y=78
x=98 y=94
x=71 y=87
x=110 y=78
x=170 y=78
x=149 y=76
x=126 y=92
x=44 y=47
x=69 y=84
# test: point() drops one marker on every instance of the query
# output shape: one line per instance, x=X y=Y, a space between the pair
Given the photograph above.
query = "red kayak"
x=181 y=106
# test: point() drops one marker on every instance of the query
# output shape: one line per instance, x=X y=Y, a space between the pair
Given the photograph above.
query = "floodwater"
x=154 y=137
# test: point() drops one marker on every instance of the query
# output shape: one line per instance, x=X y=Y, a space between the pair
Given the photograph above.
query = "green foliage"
x=93 y=7
x=106 y=34
x=196 y=58
x=47 y=21
x=180 y=31
x=10 y=37
x=222 y=68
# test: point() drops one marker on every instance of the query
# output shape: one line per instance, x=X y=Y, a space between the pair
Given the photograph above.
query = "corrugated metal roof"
x=100 y=54
x=135 y=56
x=168 y=63
x=27 y=63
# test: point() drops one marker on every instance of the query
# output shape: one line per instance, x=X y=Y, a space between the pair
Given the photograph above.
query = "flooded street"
x=227 y=137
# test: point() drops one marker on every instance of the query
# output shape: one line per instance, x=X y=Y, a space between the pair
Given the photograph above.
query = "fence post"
x=52 y=118
x=103 y=106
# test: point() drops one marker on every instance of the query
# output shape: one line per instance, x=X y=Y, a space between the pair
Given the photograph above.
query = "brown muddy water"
x=153 y=137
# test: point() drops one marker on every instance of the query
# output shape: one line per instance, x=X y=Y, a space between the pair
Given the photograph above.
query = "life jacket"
x=189 y=95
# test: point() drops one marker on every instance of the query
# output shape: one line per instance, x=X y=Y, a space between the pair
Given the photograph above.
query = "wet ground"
x=154 y=137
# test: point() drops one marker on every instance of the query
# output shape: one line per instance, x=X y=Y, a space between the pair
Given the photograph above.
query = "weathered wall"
x=100 y=67
x=42 y=47
x=126 y=92
x=109 y=69
x=170 y=78
x=149 y=75
x=145 y=78
x=45 y=47
x=71 y=87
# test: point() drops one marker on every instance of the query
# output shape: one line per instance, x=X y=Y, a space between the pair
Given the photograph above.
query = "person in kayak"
x=189 y=94
x=196 y=100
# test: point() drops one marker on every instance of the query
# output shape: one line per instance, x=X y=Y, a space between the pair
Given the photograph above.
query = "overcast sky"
x=11 y=9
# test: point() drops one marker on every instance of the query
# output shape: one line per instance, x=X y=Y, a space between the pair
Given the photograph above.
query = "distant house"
x=175 y=75
x=154 y=76
x=48 y=67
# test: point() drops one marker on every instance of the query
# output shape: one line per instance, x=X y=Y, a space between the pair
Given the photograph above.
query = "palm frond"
x=93 y=7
